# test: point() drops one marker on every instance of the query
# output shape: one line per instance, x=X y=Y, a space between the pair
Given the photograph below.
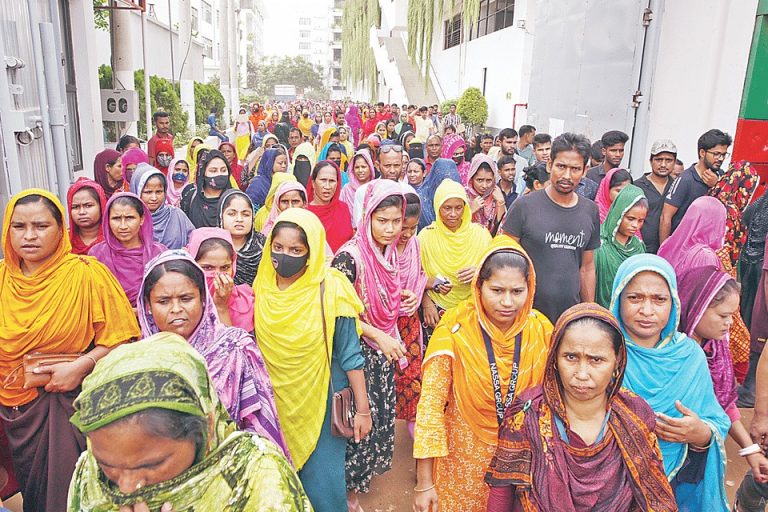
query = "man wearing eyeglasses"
x=695 y=181
x=390 y=166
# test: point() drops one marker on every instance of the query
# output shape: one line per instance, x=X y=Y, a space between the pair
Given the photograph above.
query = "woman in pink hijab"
x=451 y=144
x=360 y=171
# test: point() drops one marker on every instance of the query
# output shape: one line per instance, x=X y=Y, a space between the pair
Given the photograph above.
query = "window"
x=207 y=48
x=453 y=35
x=305 y=21
x=304 y=34
x=494 y=15
x=194 y=19
x=207 y=13
x=337 y=54
x=304 y=46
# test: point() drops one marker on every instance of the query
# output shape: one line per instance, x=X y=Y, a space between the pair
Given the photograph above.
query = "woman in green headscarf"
x=159 y=438
x=620 y=237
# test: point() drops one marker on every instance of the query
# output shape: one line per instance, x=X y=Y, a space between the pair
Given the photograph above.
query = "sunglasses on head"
x=391 y=147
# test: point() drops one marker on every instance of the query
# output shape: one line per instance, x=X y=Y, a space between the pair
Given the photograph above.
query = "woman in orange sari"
x=53 y=302
x=492 y=332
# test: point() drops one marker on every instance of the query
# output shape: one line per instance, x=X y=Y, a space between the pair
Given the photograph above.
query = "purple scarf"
x=698 y=236
x=234 y=361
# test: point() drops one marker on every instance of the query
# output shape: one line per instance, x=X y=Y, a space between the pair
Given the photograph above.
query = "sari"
x=250 y=254
x=289 y=327
x=462 y=436
x=348 y=191
x=486 y=214
x=443 y=169
x=451 y=143
x=739 y=336
x=259 y=187
x=241 y=300
x=334 y=216
x=170 y=226
x=261 y=216
x=735 y=191
x=232 y=469
x=133 y=156
x=78 y=246
x=549 y=467
x=274 y=212
x=655 y=375
x=233 y=359
x=100 y=171
x=698 y=236
x=445 y=252
x=201 y=210
x=611 y=254
x=698 y=286
x=354 y=122
x=72 y=302
x=172 y=192
x=603 y=197
x=127 y=265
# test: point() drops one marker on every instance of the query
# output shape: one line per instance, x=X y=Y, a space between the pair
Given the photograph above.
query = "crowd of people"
x=240 y=324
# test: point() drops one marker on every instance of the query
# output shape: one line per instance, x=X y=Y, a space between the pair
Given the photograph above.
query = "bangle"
x=750 y=450
x=358 y=413
x=91 y=358
x=425 y=489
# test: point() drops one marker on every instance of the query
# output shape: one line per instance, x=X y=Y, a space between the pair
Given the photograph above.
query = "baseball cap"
x=663 y=146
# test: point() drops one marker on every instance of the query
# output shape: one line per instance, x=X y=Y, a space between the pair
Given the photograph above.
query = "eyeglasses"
x=718 y=155
x=391 y=147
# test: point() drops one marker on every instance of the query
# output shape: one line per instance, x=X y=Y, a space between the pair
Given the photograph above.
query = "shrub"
x=472 y=107
x=445 y=107
x=207 y=96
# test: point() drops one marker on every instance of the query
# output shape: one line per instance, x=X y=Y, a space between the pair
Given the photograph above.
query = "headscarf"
x=163 y=372
x=403 y=126
x=100 y=171
x=698 y=236
x=307 y=150
x=603 y=197
x=576 y=476
x=241 y=299
x=66 y=305
x=204 y=211
x=459 y=336
x=282 y=189
x=412 y=276
x=323 y=155
x=78 y=246
x=442 y=169
x=305 y=125
x=354 y=122
x=378 y=274
x=735 y=191
x=445 y=252
x=170 y=226
x=234 y=166
x=132 y=156
x=259 y=187
x=325 y=137
x=335 y=215
x=698 y=286
x=232 y=356
x=127 y=265
x=191 y=156
x=348 y=191
x=656 y=373
x=163 y=146
x=451 y=143
x=258 y=136
x=289 y=327
x=199 y=161
x=611 y=253
x=261 y=216
x=486 y=215
x=172 y=193
x=249 y=255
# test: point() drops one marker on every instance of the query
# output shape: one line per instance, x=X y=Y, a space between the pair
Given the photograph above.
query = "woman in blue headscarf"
x=274 y=160
x=669 y=370
x=442 y=169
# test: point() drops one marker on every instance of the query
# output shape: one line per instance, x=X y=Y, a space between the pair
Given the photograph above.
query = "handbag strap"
x=325 y=334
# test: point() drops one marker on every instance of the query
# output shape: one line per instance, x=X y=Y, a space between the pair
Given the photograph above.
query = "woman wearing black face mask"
x=201 y=201
x=308 y=335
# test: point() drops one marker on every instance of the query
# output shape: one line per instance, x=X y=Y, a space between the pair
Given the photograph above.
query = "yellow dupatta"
x=289 y=329
x=263 y=214
x=305 y=149
x=445 y=252
x=65 y=306
x=191 y=157
x=325 y=138
x=458 y=336
x=196 y=160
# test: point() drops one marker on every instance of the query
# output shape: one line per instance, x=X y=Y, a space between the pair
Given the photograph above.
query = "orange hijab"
x=65 y=306
x=458 y=335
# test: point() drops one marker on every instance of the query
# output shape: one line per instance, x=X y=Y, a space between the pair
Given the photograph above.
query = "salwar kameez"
x=408 y=379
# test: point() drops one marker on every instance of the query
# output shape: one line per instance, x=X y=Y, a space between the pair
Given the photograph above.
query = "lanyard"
x=501 y=406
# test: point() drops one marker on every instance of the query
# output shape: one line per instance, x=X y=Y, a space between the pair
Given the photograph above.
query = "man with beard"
x=656 y=185
x=695 y=181
x=560 y=230
x=613 y=153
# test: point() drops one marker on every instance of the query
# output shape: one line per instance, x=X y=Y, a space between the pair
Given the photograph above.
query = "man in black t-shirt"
x=695 y=181
x=613 y=153
x=655 y=186
x=559 y=230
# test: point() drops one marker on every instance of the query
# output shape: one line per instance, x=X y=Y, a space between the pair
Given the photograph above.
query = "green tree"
x=358 y=63
x=445 y=107
x=100 y=16
x=162 y=96
x=206 y=97
x=297 y=71
x=472 y=107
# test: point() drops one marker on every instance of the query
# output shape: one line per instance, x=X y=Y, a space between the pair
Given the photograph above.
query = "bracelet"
x=91 y=358
x=750 y=450
x=425 y=489
x=358 y=413
x=702 y=448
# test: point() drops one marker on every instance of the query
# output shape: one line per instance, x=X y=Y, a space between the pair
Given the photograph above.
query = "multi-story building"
x=251 y=35
x=335 y=84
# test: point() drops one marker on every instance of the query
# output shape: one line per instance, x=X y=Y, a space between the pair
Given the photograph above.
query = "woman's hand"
x=425 y=501
x=431 y=317
x=689 y=429
x=498 y=196
x=223 y=285
x=389 y=346
x=475 y=204
x=66 y=376
x=758 y=430
x=409 y=302
x=465 y=275
x=363 y=425
x=759 y=465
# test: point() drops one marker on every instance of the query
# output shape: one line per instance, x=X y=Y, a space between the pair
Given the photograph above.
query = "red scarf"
x=334 y=216
x=78 y=246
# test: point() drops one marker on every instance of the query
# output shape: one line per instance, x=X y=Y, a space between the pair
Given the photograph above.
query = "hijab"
x=307 y=150
x=100 y=171
x=241 y=299
x=170 y=226
x=199 y=160
x=486 y=215
x=445 y=252
x=335 y=215
x=191 y=155
x=698 y=236
x=250 y=254
x=274 y=212
x=78 y=246
x=348 y=191
x=127 y=265
x=163 y=146
x=442 y=169
x=235 y=167
x=132 y=156
x=451 y=143
x=259 y=187
x=603 y=197
x=204 y=211
x=263 y=213
x=173 y=193
x=735 y=191
x=355 y=124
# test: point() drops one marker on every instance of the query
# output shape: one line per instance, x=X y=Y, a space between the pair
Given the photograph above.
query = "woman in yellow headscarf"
x=198 y=153
x=484 y=352
x=52 y=302
x=306 y=316
x=304 y=159
x=191 y=146
x=263 y=214
x=451 y=248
